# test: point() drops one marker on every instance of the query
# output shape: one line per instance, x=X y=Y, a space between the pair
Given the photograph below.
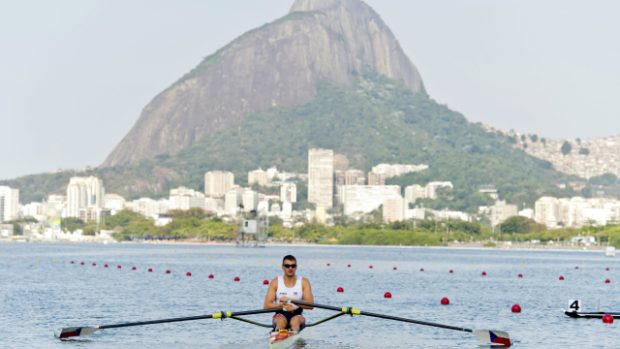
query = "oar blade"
x=69 y=332
x=493 y=338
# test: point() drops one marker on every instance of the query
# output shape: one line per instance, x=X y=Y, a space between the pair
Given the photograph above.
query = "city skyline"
x=523 y=65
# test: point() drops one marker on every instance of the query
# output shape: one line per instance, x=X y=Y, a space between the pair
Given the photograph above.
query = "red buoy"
x=608 y=281
x=608 y=319
x=72 y=262
x=520 y=275
x=484 y=273
x=81 y=263
x=561 y=278
x=265 y=282
x=328 y=264
x=119 y=266
x=450 y=271
x=576 y=267
x=188 y=274
x=387 y=295
x=150 y=270
x=105 y=265
x=394 y=268
x=133 y=268
x=370 y=266
x=421 y=269
x=348 y=265
x=340 y=290
x=211 y=276
x=516 y=308
x=94 y=264
x=606 y=269
x=237 y=279
x=168 y=271
x=445 y=301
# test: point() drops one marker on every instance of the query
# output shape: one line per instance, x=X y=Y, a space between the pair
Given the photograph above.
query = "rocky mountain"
x=277 y=65
x=329 y=74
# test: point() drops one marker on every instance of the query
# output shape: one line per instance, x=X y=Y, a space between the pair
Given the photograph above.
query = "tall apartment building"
x=85 y=198
x=546 y=211
x=376 y=178
x=218 y=183
x=9 y=204
x=321 y=177
x=393 y=209
x=259 y=177
x=501 y=211
x=414 y=192
x=288 y=192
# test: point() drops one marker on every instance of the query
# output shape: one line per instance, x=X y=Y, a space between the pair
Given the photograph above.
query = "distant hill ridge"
x=584 y=158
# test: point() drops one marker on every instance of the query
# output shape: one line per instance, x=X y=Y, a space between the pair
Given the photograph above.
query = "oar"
x=68 y=332
x=487 y=337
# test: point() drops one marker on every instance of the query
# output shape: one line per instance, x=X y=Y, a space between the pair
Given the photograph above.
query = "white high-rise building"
x=149 y=207
x=288 y=192
x=366 y=198
x=249 y=199
x=393 y=209
x=546 y=211
x=259 y=177
x=501 y=211
x=321 y=177
x=232 y=200
x=9 y=204
x=218 y=183
x=414 y=192
x=184 y=198
x=84 y=197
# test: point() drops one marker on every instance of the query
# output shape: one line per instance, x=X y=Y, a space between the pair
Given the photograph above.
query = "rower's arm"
x=270 y=299
x=308 y=296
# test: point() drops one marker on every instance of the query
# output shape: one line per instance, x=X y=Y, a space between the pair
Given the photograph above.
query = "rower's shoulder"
x=305 y=280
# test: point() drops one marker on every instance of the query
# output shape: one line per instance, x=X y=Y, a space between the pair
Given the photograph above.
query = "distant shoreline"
x=505 y=246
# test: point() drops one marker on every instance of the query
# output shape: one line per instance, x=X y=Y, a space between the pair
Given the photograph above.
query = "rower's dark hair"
x=289 y=257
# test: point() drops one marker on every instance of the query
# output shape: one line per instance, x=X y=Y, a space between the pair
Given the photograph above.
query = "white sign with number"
x=574 y=305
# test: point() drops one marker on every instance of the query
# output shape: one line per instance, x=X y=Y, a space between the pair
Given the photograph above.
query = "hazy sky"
x=75 y=74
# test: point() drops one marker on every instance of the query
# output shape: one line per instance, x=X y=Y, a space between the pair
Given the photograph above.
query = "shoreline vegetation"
x=194 y=226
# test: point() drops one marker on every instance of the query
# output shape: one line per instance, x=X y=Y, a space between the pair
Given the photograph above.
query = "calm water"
x=41 y=291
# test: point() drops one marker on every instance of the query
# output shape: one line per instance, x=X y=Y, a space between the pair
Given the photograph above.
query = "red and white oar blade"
x=69 y=332
x=493 y=338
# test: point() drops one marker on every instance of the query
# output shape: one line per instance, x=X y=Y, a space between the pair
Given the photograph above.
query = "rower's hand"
x=288 y=307
x=284 y=299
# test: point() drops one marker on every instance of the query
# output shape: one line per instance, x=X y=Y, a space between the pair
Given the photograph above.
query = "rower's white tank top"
x=295 y=293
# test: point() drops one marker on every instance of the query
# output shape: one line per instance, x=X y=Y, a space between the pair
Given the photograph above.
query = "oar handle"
x=355 y=311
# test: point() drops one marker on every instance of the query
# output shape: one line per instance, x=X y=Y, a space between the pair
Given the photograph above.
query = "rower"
x=282 y=290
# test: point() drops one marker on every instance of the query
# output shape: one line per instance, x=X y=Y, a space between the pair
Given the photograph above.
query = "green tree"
x=519 y=224
x=566 y=148
x=71 y=224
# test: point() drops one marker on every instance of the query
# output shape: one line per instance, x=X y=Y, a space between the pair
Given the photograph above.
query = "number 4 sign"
x=574 y=305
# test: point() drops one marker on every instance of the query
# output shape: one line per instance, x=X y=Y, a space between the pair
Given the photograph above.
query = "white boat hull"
x=284 y=340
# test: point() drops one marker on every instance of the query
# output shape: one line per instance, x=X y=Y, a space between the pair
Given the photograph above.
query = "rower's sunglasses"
x=289 y=266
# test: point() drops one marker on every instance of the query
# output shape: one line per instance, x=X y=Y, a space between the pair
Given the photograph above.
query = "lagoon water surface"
x=42 y=291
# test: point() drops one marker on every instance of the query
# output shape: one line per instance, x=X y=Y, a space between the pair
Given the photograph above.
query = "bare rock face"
x=279 y=64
